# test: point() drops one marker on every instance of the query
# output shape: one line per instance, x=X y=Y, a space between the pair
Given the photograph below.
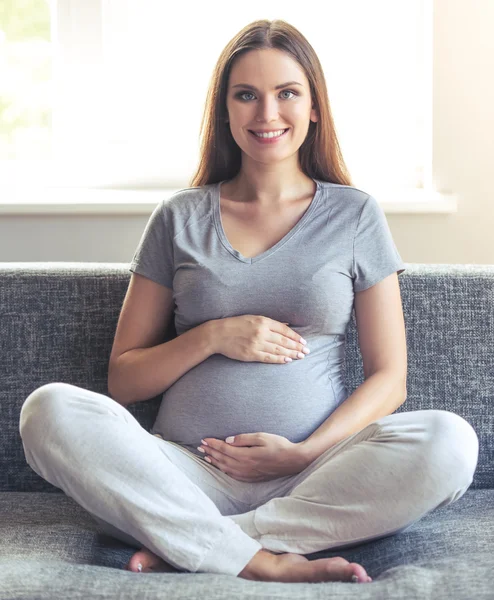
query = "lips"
x=253 y=132
x=268 y=141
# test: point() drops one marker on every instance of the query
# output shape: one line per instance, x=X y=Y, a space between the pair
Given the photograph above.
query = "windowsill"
x=77 y=201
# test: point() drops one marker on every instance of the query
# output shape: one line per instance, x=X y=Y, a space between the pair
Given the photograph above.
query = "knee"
x=453 y=446
x=40 y=407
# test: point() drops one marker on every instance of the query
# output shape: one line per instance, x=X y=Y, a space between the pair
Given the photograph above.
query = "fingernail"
x=354 y=579
x=205 y=443
x=302 y=341
x=139 y=567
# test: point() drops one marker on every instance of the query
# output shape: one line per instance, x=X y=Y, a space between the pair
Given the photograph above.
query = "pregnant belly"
x=222 y=397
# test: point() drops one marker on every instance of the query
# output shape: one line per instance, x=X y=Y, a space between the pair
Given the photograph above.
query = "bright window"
x=25 y=80
x=110 y=92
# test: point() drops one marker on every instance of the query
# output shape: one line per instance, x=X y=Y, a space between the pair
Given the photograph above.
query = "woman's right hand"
x=256 y=338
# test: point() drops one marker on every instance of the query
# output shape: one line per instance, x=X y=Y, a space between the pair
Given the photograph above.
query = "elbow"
x=118 y=394
x=110 y=384
x=401 y=383
x=400 y=388
x=113 y=392
x=404 y=396
x=123 y=400
x=119 y=399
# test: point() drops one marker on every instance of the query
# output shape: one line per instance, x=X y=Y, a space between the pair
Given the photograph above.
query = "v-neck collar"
x=224 y=240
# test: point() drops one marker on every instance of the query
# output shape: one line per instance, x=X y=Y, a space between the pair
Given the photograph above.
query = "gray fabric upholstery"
x=57 y=322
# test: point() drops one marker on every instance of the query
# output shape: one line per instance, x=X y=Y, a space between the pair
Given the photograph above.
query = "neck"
x=269 y=189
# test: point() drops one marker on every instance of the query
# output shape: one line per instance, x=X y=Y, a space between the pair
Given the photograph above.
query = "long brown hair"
x=220 y=157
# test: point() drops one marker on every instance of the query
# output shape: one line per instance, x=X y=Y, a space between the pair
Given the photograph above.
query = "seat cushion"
x=52 y=548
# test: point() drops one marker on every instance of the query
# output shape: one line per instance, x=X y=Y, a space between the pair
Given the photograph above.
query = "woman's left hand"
x=255 y=456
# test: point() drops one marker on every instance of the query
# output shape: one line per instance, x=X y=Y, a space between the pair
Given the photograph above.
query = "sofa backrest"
x=58 y=321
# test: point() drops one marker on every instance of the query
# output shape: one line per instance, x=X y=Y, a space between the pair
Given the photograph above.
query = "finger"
x=218 y=463
x=288 y=332
x=246 y=439
x=219 y=459
x=224 y=448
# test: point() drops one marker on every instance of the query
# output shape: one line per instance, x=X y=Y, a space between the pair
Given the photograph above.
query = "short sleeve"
x=374 y=252
x=153 y=257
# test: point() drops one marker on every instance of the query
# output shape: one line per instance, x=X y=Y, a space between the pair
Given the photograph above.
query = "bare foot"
x=150 y=562
x=268 y=566
x=295 y=568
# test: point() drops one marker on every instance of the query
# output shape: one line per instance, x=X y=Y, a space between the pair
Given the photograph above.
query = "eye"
x=289 y=92
x=240 y=94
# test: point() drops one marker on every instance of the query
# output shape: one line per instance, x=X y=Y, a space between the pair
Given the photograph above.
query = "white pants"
x=150 y=492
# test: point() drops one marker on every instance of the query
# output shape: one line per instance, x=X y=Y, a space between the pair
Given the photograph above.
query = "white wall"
x=463 y=157
x=108 y=238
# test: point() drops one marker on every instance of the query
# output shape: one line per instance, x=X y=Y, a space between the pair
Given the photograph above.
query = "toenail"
x=139 y=567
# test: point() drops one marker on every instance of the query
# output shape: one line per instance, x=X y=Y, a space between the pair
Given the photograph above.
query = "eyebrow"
x=251 y=87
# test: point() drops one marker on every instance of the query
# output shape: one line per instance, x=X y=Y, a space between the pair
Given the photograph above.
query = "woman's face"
x=259 y=106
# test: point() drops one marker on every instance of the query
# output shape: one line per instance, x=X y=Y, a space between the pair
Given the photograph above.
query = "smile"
x=273 y=139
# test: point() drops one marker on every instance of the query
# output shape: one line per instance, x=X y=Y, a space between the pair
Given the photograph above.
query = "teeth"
x=271 y=134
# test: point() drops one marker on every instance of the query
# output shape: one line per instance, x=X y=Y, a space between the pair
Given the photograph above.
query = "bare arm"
x=143 y=373
x=141 y=364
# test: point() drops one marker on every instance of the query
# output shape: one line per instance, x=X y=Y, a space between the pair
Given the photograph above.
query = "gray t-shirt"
x=342 y=244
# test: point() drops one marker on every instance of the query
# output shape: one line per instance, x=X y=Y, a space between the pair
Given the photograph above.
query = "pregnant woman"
x=258 y=454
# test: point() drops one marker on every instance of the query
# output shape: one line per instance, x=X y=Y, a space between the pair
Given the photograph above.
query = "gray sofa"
x=57 y=323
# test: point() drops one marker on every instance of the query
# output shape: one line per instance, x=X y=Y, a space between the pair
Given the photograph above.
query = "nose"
x=267 y=110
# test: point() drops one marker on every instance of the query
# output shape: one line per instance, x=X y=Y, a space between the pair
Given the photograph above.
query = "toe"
x=142 y=557
x=150 y=562
x=354 y=569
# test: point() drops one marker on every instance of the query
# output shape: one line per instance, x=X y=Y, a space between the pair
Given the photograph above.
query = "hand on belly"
x=255 y=456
